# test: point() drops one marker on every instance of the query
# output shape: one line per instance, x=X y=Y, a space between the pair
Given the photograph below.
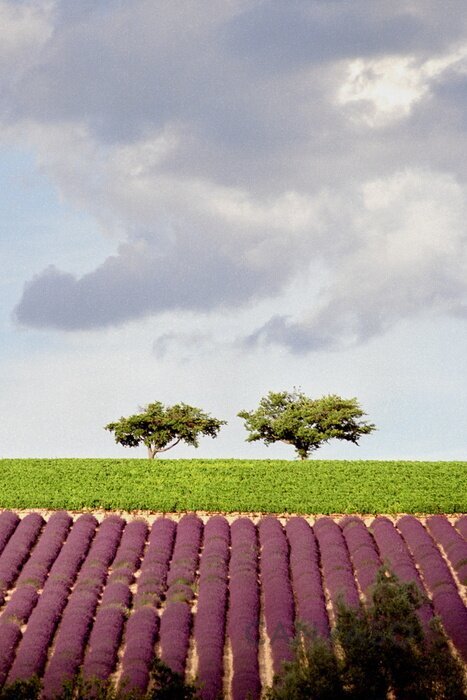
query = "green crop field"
x=231 y=485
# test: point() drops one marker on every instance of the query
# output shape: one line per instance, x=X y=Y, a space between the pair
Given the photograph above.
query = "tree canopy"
x=383 y=651
x=162 y=427
x=305 y=423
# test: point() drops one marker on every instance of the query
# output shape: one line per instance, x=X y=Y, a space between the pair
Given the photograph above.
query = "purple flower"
x=140 y=636
x=446 y=600
x=452 y=542
x=243 y=615
x=8 y=523
x=209 y=623
x=335 y=561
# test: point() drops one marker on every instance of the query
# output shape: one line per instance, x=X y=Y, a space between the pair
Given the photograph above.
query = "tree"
x=305 y=423
x=162 y=427
x=382 y=651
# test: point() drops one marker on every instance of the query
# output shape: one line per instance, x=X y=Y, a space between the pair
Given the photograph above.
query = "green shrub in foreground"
x=381 y=649
x=164 y=685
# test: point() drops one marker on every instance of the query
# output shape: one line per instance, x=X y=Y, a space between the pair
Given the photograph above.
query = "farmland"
x=229 y=485
x=216 y=598
x=212 y=565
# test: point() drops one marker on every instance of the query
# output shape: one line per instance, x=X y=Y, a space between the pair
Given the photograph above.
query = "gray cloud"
x=190 y=342
x=214 y=144
x=135 y=283
x=282 y=36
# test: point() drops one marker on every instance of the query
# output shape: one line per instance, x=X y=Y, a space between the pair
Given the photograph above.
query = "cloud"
x=226 y=150
x=135 y=283
x=387 y=89
x=283 y=36
x=167 y=343
x=409 y=258
x=190 y=270
x=190 y=243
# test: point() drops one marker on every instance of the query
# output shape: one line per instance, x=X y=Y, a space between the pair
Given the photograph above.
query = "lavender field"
x=217 y=599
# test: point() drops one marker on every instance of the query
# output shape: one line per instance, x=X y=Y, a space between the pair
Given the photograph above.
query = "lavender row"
x=79 y=613
x=446 y=599
x=209 y=625
x=306 y=577
x=32 y=577
x=461 y=525
x=143 y=625
x=176 y=619
x=396 y=556
x=140 y=637
x=452 y=542
x=277 y=592
x=8 y=523
x=32 y=651
x=335 y=562
x=362 y=550
x=102 y=653
x=153 y=577
x=17 y=550
x=243 y=616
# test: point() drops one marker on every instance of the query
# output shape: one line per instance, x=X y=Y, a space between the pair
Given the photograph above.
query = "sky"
x=206 y=201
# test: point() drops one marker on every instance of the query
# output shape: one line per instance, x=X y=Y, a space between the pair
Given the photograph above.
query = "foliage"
x=382 y=650
x=268 y=486
x=164 y=684
x=167 y=685
x=162 y=427
x=22 y=690
x=305 y=423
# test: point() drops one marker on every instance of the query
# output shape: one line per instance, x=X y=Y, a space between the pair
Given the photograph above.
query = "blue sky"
x=204 y=202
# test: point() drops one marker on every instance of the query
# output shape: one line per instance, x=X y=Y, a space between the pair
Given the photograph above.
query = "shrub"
x=164 y=685
x=374 y=650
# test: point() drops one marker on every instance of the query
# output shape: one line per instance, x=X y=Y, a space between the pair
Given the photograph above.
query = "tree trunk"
x=151 y=452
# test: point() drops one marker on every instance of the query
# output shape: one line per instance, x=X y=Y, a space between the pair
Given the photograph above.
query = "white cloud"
x=25 y=27
x=409 y=257
x=385 y=90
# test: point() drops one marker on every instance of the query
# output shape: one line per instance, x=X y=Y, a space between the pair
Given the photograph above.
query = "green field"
x=231 y=485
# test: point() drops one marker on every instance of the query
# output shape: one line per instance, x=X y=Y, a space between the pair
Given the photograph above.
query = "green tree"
x=383 y=652
x=305 y=423
x=162 y=427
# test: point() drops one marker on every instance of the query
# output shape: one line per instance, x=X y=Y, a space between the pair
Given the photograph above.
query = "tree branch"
x=169 y=447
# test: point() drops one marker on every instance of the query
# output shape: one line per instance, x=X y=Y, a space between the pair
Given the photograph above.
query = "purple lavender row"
x=306 y=577
x=243 y=617
x=452 y=542
x=17 y=550
x=396 y=556
x=8 y=523
x=24 y=598
x=446 y=599
x=101 y=656
x=176 y=618
x=140 y=637
x=362 y=550
x=143 y=625
x=337 y=569
x=277 y=591
x=461 y=525
x=153 y=577
x=32 y=651
x=209 y=624
x=79 y=613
